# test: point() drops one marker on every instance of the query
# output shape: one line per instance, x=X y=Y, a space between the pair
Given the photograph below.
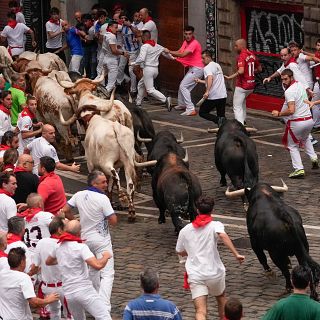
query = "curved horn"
x=64 y=84
x=145 y=164
x=68 y=122
x=186 y=157
x=98 y=80
x=107 y=107
x=284 y=187
x=233 y=194
x=249 y=129
x=181 y=138
x=143 y=139
x=213 y=130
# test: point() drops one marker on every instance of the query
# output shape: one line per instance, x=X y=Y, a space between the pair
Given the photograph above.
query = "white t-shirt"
x=16 y=287
x=4 y=265
x=71 y=257
x=203 y=261
x=20 y=244
x=24 y=124
x=151 y=26
x=297 y=93
x=56 y=42
x=15 y=37
x=218 y=89
x=40 y=147
x=297 y=74
x=304 y=66
x=109 y=38
x=8 y=209
x=49 y=274
x=37 y=228
x=94 y=209
x=149 y=55
x=5 y=123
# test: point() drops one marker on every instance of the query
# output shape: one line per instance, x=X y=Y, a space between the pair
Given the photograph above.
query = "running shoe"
x=189 y=113
x=296 y=174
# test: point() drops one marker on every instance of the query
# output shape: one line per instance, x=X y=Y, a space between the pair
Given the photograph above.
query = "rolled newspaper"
x=200 y=102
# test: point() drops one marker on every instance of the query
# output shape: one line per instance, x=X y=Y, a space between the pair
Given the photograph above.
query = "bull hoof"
x=162 y=220
x=131 y=218
x=270 y=274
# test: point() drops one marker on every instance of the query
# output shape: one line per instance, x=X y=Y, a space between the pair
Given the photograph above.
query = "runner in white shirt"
x=51 y=275
x=72 y=257
x=25 y=124
x=96 y=213
x=298 y=125
x=3 y=256
x=216 y=93
x=16 y=290
x=206 y=272
x=148 y=60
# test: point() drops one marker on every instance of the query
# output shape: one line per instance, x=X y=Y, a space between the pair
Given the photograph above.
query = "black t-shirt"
x=27 y=183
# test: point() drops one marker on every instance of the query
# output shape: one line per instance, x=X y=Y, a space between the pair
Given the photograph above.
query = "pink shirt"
x=194 y=59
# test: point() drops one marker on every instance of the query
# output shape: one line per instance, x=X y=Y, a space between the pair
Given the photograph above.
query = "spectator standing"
x=10 y=158
x=54 y=33
x=8 y=209
x=189 y=55
x=233 y=309
x=247 y=65
x=16 y=290
x=73 y=258
x=15 y=8
x=9 y=140
x=96 y=213
x=42 y=146
x=100 y=29
x=5 y=115
x=3 y=256
x=26 y=122
x=78 y=18
x=27 y=182
x=150 y=302
x=14 y=33
x=216 y=93
x=206 y=272
x=50 y=187
x=298 y=306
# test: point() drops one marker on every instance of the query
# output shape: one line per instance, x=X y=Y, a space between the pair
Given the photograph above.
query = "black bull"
x=235 y=155
x=276 y=227
x=175 y=189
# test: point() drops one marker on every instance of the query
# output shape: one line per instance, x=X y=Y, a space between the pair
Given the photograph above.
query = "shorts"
x=200 y=288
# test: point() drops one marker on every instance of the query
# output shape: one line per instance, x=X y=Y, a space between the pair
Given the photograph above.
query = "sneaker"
x=315 y=164
x=314 y=141
x=189 y=113
x=168 y=104
x=178 y=108
x=297 y=174
x=221 y=121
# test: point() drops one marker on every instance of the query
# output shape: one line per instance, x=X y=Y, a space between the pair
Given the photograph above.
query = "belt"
x=52 y=285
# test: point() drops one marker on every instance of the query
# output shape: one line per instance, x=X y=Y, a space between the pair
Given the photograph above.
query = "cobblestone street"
x=146 y=243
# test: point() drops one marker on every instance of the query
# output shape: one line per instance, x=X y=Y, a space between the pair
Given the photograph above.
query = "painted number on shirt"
x=28 y=241
x=251 y=69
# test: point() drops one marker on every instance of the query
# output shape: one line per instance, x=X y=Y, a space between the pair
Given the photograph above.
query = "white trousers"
x=75 y=63
x=109 y=64
x=316 y=108
x=301 y=130
x=186 y=86
x=146 y=84
x=102 y=280
x=132 y=57
x=87 y=300
x=239 y=104
x=121 y=74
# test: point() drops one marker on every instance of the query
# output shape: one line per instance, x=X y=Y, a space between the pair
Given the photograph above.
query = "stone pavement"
x=145 y=243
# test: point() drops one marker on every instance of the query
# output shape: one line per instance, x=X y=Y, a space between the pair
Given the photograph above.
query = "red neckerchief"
x=26 y=112
x=29 y=213
x=55 y=22
x=50 y=174
x=18 y=87
x=291 y=83
x=8 y=166
x=11 y=238
x=186 y=285
x=53 y=236
x=12 y=24
x=201 y=220
x=109 y=30
x=2 y=191
x=19 y=169
x=148 y=19
x=66 y=236
x=4 y=109
x=3 y=254
x=317 y=54
x=4 y=147
x=151 y=42
x=292 y=59
x=16 y=10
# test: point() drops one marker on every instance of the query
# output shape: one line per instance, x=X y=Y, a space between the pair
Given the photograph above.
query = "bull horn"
x=213 y=130
x=233 y=194
x=145 y=164
x=68 y=122
x=186 y=157
x=181 y=139
x=64 y=84
x=108 y=106
x=249 y=129
x=143 y=139
x=98 y=80
x=284 y=187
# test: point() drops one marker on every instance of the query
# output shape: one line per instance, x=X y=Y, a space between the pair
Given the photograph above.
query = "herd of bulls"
x=113 y=137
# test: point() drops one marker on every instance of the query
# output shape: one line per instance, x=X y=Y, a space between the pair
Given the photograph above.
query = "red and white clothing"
x=4 y=261
x=152 y=27
x=15 y=38
x=194 y=62
x=8 y=209
x=298 y=125
x=15 y=290
x=245 y=83
x=5 y=121
x=3 y=149
x=56 y=42
x=304 y=66
x=25 y=124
